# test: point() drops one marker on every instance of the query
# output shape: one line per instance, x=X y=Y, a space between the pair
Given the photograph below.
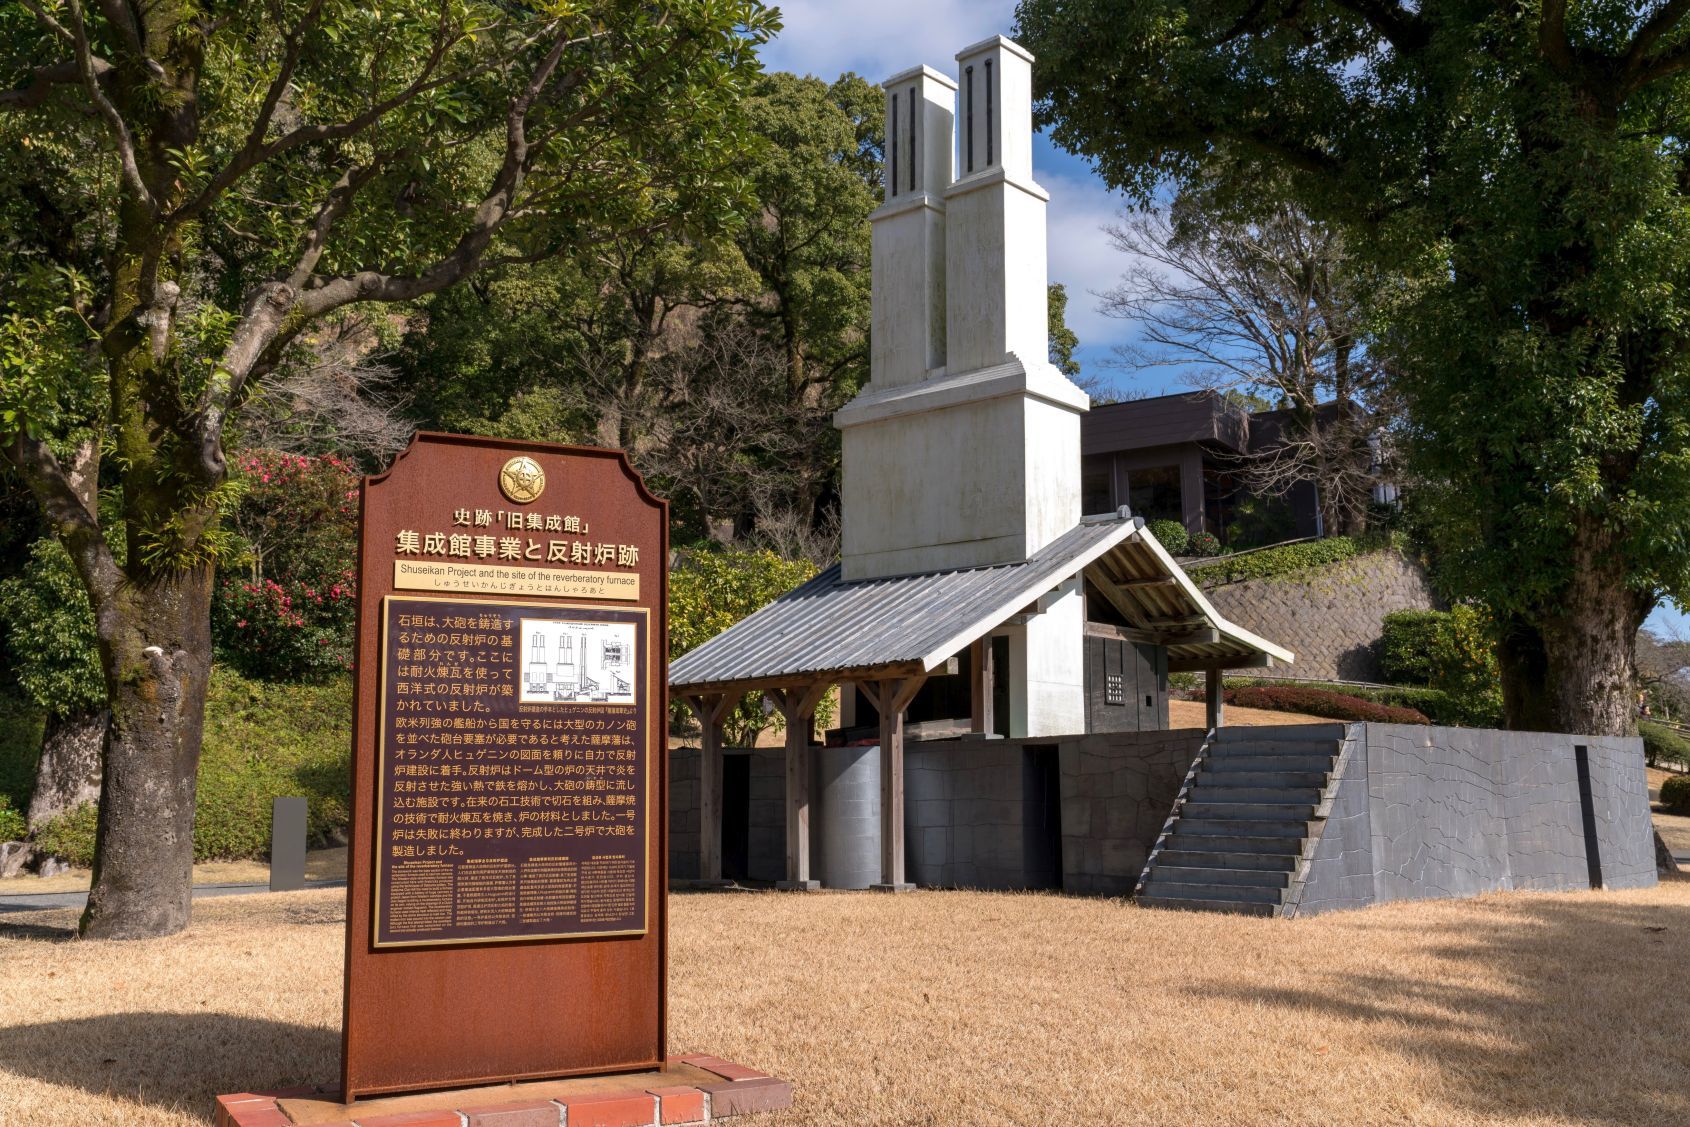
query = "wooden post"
x=981 y=720
x=1214 y=706
x=890 y=698
x=710 y=708
x=798 y=708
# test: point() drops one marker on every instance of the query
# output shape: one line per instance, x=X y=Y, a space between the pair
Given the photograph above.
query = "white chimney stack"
x=908 y=260
x=964 y=448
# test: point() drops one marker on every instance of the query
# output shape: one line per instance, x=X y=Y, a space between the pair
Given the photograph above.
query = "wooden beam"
x=982 y=689
x=1153 y=581
x=1120 y=633
x=1214 y=704
x=798 y=709
x=710 y=708
x=871 y=690
x=1208 y=637
x=1201 y=664
x=897 y=695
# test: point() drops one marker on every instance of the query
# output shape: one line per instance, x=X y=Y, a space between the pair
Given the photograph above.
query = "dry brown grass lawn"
x=320 y=864
x=954 y=1006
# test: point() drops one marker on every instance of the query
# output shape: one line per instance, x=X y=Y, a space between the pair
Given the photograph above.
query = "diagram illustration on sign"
x=565 y=661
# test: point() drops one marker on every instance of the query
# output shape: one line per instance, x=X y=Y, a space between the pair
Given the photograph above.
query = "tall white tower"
x=964 y=449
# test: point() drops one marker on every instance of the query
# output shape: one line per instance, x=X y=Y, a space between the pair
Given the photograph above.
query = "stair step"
x=1315 y=778
x=1237 y=907
x=1242 y=827
x=1255 y=764
x=1297 y=812
x=1244 y=749
x=1272 y=795
x=1196 y=890
x=1165 y=873
x=1185 y=839
x=1226 y=859
x=1320 y=730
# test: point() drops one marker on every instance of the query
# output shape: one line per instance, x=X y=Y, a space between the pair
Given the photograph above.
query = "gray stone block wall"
x=964 y=814
x=1330 y=617
x=683 y=813
x=1117 y=791
x=1428 y=812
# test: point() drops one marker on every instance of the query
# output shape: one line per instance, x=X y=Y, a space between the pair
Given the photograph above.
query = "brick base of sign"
x=689 y=1090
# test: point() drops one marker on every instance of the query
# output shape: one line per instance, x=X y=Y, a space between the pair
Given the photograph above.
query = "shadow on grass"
x=183 y=1060
x=47 y=933
x=1581 y=1018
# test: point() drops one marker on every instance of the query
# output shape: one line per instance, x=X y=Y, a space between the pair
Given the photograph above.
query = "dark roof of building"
x=830 y=629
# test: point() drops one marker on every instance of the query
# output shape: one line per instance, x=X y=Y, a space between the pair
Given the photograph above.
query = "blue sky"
x=879 y=38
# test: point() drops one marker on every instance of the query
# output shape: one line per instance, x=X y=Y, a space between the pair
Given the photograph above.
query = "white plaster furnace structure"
x=964 y=449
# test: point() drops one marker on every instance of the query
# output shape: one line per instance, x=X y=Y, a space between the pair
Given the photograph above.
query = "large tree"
x=189 y=187
x=1521 y=170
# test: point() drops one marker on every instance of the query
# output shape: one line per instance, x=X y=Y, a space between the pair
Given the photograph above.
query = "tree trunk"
x=156 y=647
x=68 y=774
x=1590 y=641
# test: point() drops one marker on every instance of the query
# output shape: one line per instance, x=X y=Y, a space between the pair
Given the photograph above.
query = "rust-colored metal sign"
x=512 y=796
x=505 y=906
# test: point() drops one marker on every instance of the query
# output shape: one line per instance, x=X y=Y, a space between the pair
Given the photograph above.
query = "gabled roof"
x=829 y=629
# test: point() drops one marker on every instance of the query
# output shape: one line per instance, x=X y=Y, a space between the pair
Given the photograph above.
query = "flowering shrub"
x=1204 y=544
x=290 y=616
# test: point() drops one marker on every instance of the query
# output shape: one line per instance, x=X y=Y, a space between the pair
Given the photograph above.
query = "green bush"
x=1205 y=544
x=1270 y=563
x=21 y=723
x=70 y=836
x=1321 y=702
x=1171 y=534
x=1662 y=744
x=1675 y=794
x=13 y=825
x=1406 y=643
x=266 y=740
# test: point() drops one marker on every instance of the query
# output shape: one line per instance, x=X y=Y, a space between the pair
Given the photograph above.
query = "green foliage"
x=21 y=727
x=1171 y=534
x=70 y=836
x=1321 y=702
x=1675 y=794
x=709 y=592
x=1287 y=559
x=263 y=741
x=1453 y=652
x=49 y=630
x=1204 y=544
x=13 y=825
x=1063 y=340
x=1515 y=178
x=44 y=380
x=291 y=616
x=1662 y=744
x=1259 y=521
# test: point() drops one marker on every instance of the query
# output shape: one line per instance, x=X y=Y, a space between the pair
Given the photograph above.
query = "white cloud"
x=879 y=38
x=1081 y=256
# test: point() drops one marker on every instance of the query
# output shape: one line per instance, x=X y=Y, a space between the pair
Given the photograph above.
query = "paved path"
x=42 y=901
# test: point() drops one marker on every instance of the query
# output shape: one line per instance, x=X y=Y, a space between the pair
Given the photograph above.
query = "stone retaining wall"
x=1426 y=812
x=1331 y=617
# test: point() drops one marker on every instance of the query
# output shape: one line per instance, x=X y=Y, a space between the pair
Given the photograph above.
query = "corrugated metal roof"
x=913 y=623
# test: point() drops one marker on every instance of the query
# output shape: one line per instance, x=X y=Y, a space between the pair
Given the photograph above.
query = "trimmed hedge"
x=1321 y=702
x=1269 y=563
x=1406 y=646
x=1675 y=794
x=1171 y=534
x=1662 y=744
x=1438 y=706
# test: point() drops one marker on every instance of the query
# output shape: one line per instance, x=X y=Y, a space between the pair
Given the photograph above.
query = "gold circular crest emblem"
x=522 y=480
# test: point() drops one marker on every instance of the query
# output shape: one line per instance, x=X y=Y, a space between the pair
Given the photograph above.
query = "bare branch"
x=120 y=131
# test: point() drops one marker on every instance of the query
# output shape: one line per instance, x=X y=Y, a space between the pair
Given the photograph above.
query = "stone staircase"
x=1246 y=821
